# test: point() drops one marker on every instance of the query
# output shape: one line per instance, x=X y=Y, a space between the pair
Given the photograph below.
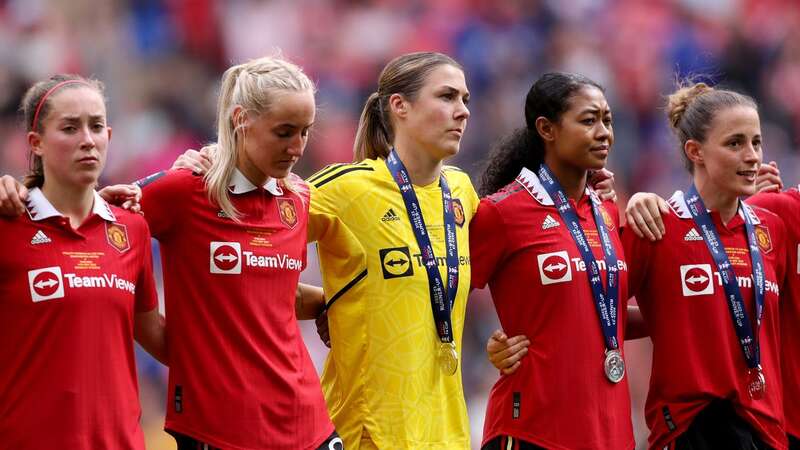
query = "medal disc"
x=756 y=384
x=448 y=358
x=614 y=366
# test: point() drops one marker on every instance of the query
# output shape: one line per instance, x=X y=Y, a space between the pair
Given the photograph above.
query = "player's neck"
x=572 y=179
x=74 y=202
x=251 y=172
x=716 y=199
x=422 y=167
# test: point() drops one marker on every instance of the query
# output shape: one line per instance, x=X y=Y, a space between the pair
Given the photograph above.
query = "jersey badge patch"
x=117 y=236
x=554 y=267
x=692 y=236
x=390 y=216
x=226 y=257
x=46 y=284
x=396 y=262
x=607 y=219
x=764 y=240
x=549 y=222
x=458 y=212
x=697 y=279
x=287 y=212
x=40 y=238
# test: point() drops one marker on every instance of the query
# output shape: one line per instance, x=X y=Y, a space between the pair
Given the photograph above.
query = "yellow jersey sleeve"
x=342 y=257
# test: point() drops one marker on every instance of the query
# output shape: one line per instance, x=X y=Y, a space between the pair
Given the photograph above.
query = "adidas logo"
x=40 y=238
x=390 y=216
x=549 y=222
x=693 y=235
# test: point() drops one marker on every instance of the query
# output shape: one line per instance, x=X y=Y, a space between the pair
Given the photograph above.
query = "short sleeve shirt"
x=382 y=378
x=787 y=205
x=522 y=248
x=68 y=298
x=240 y=375
x=696 y=353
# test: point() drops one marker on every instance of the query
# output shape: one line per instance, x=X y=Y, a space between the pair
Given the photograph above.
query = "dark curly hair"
x=549 y=98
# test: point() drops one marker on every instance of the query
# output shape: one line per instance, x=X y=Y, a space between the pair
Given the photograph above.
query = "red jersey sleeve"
x=163 y=193
x=785 y=205
x=780 y=203
x=781 y=241
x=301 y=188
x=146 y=295
x=638 y=254
x=487 y=242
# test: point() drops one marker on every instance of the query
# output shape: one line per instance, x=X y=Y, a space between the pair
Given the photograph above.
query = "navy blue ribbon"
x=441 y=301
x=605 y=300
x=741 y=322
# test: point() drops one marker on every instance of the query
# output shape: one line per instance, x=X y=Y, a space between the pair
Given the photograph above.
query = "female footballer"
x=76 y=286
x=709 y=290
x=542 y=231
x=786 y=204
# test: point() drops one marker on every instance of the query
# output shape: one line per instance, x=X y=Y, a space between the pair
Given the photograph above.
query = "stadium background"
x=161 y=61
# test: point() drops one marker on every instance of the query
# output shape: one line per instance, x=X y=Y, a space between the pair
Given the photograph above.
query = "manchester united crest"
x=117 y=236
x=458 y=212
x=287 y=212
x=607 y=219
x=764 y=240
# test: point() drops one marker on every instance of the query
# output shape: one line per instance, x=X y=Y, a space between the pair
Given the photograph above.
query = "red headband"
x=47 y=94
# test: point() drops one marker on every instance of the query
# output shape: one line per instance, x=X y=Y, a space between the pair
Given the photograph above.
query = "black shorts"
x=509 y=443
x=794 y=442
x=334 y=442
x=718 y=426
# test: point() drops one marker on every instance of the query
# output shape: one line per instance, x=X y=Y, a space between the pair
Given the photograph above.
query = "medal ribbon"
x=605 y=300
x=741 y=322
x=441 y=301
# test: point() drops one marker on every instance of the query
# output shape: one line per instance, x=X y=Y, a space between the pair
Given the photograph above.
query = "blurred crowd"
x=161 y=61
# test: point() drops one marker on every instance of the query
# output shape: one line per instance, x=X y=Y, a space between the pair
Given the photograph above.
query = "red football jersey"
x=696 y=353
x=787 y=205
x=559 y=398
x=67 y=304
x=240 y=376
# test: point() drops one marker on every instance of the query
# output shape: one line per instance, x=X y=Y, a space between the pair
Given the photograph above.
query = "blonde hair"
x=251 y=85
x=692 y=108
x=404 y=75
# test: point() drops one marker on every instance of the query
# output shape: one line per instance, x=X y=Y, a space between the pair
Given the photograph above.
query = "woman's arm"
x=635 y=328
x=309 y=302
x=149 y=332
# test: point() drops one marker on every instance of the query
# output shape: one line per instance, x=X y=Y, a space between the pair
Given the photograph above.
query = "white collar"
x=40 y=208
x=678 y=204
x=530 y=181
x=239 y=184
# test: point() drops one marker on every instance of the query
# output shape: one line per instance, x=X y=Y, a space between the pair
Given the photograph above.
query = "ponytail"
x=404 y=75
x=253 y=86
x=373 y=139
x=228 y=137
x=522 y=148
x=548 y=97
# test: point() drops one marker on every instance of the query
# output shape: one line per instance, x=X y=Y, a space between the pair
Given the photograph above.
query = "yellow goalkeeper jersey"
x=382 y=379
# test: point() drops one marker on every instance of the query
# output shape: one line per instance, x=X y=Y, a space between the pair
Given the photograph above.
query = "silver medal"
x=614 y=366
